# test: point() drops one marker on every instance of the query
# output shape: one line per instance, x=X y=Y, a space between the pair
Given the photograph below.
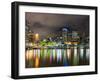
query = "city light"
x=61 y=49
x=36 y=36
x=37 y=62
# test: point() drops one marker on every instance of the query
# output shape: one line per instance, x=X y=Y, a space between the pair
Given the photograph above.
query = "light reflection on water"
x=56 y=57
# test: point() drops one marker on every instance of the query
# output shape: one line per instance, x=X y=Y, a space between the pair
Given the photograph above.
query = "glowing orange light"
x=68 y=43
x=37 y=62
x=29 y=54
x=36 y=36
x=75 y=42
x=71 y=42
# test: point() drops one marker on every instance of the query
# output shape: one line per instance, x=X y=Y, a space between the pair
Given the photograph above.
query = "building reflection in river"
x=48 y=57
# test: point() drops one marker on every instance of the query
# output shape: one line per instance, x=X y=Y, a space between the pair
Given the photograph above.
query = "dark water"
x=48 y=57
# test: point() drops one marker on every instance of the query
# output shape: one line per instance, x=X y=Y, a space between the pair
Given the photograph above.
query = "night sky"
x=46 y=23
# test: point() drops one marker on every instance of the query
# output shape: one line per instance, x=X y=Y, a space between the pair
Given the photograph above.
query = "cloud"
x=45 y=23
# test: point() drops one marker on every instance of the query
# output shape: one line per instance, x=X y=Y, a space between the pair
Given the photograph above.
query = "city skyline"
x=53 y=40
x=46 y=23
